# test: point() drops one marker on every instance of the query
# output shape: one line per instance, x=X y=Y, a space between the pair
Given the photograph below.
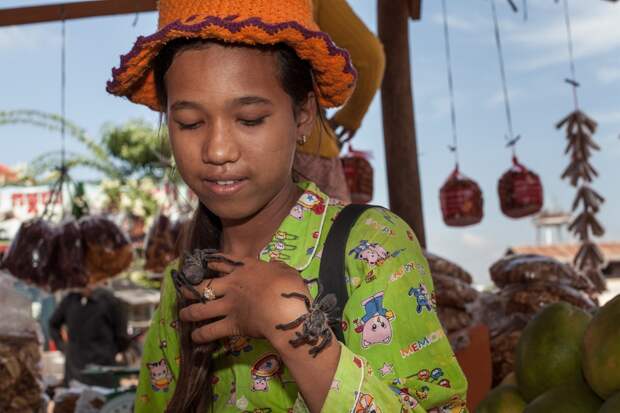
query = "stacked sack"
x=454 y=296
x=20 y=369
x=67 y=255
x=526 y=284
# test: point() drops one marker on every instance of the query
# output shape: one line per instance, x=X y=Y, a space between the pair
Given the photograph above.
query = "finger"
x=213 y=331
x=221 y=267
x=203 y=311
x=217 y=286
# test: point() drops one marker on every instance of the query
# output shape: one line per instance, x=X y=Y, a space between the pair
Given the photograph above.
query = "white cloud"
x=595 y=31
x=608 y=117
x=27 y=37
x=455 y=23
x=608 y=74
x=498 y=98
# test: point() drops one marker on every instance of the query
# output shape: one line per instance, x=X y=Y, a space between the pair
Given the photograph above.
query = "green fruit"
x=549 y=349
x=568 y=398
x=511 y=378
x=611 y=405
x=502 y=399
x=601 y=350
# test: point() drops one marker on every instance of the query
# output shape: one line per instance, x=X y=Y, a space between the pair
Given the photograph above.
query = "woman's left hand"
x=249 y=298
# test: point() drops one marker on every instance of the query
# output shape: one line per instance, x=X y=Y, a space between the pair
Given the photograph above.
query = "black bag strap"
x=332 y=269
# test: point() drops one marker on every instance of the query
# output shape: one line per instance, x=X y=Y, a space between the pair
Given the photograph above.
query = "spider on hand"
x=316 y=322
x=195 y=270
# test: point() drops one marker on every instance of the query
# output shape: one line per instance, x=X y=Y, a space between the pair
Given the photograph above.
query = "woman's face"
x=233 y=129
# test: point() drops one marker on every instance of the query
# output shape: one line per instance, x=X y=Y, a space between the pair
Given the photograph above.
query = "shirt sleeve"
x=160 y=358
x=56 y=322
x=397 y=356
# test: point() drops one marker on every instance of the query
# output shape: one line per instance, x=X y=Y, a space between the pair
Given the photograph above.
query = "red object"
x=461 y=200
x=359 y=176
x=520 y=191
x=475 y=361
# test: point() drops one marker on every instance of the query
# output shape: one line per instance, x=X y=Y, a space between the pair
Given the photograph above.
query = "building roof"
x=566 y=252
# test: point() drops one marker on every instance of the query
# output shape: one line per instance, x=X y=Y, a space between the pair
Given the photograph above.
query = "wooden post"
x=399 y=133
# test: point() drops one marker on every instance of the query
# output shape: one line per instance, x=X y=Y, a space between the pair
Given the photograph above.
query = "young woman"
x=241 y=84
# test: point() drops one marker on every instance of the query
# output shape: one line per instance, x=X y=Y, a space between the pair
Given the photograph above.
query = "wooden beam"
x=78 y=10
x=399 y=133
x=415 y=9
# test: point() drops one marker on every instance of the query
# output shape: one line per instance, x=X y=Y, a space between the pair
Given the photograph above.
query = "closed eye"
x=190 y=126
x=253 y=122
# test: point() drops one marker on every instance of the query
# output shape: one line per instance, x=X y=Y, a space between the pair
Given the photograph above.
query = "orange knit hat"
x=238 y=21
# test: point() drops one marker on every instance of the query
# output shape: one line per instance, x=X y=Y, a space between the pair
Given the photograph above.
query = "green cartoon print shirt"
x=396 y=358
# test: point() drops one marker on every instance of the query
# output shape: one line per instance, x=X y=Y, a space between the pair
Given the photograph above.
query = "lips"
x=224 y=185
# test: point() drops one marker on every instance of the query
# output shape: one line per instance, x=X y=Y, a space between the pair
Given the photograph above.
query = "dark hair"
x=194 y=391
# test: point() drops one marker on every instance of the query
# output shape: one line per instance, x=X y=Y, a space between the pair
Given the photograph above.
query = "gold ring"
x=209 y=293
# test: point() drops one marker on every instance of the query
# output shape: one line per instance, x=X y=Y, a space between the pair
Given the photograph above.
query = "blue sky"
x=536 y=58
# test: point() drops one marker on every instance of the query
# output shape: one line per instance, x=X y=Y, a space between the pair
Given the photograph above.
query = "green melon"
x=502 y=399
x=549 y=350
x=601 y=350
x=611 y=405
x=567 y=398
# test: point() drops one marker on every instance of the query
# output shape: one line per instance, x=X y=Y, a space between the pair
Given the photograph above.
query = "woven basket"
x=359 y=176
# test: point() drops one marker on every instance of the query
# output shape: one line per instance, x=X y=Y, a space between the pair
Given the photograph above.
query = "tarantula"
x=195 y=270
x=316 y=322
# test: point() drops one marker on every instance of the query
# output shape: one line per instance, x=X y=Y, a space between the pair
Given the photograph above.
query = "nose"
x=219 y=146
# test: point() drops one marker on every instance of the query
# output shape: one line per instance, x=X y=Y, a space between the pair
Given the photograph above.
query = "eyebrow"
x=184 y=104
x=242 y=101
x=251 y=100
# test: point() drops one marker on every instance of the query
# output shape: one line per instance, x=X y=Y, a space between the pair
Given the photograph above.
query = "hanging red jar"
x=461 y=201
x=520 y=191
x=359 y=176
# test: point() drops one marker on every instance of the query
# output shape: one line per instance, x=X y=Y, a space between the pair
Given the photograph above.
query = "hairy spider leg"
x=301 y=297
x=327 y=338
x=180 y=281
x=292 y=324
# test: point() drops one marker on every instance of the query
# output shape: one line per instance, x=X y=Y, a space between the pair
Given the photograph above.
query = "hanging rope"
x=63 y=87
x=573 y=80
x=455 y=147
x=511 y=138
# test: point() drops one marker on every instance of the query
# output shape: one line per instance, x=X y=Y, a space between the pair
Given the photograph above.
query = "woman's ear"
x=306 y=115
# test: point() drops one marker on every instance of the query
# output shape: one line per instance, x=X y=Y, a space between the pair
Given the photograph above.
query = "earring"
x=302 y=141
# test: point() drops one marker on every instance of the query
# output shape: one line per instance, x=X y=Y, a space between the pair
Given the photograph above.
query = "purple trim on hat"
x=233 y=27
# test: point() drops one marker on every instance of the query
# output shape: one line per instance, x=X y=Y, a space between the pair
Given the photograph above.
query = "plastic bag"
x=20 y=353
x=108 y=250
x=532 y=297
x=29 y=257
x=525 y=268
x=69 y=268
x=443 y=266
x=453 y=292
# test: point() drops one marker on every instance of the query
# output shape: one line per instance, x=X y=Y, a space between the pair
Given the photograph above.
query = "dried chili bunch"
x=580 y=173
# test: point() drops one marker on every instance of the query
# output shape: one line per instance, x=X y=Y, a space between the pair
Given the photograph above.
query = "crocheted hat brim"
x=334 y=73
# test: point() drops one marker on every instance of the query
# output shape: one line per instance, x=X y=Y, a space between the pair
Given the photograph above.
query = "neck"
x=247 y=237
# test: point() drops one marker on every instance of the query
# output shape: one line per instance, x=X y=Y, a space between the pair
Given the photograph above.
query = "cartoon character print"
x=373 y=253
x=422 y=297
x=281 y=243
x=235 y=345
x=406 y=399
x=297 y=212
x=366 y=404
x=455 y=405
x=160 y=375
x=264 y=370
x=435 y=375
x=311 y=201
x=375 y=325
